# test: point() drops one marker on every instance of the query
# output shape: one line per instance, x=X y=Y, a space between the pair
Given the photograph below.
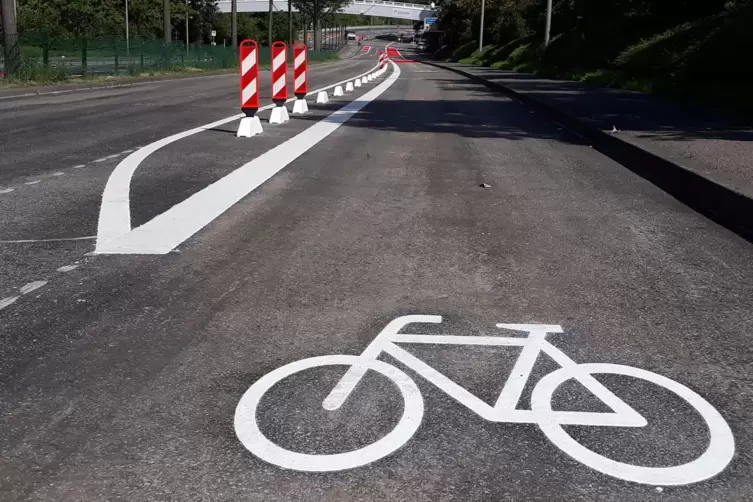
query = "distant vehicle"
x=352 y=36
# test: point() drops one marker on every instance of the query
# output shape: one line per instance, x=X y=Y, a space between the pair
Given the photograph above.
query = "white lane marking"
x=115 y=211
x=7 y=190
x=126 y=152
x=62 y=239
x=101 y=160
x=32 y=182
x=32 y=286
x=80 y=166
x=169 y=229
x=5 y=302
x=58 y=174
x=67 y=268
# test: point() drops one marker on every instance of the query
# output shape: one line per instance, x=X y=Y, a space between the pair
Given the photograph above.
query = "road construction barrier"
x=300 y=64
x=300 y=78
x=279 y=82
x=349 y=87
x=249 y=87
x=382 y=59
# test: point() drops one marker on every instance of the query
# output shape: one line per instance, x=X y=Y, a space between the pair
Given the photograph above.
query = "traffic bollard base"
x=279 y=115
x=300 y=107
x=322 y=97
x=249 y=126
x=349 y=87
x=357 y=83
x=339 y=91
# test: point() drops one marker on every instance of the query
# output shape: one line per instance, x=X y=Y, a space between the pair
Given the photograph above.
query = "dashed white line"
x=32 y=286
x=125 y=152
x=67 y=268
x=7 y=190
x=8 y=301
x=103 y=159
x=58 y=174
x=80 y=166
x=32 y=182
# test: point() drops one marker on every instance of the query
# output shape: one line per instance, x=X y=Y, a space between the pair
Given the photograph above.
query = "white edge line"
x=166 y=231
x=115 y=212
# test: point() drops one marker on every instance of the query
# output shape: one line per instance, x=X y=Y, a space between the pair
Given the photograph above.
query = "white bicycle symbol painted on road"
x=716 y=457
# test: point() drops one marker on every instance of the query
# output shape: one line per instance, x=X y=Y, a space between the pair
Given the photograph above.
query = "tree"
x=315 y=11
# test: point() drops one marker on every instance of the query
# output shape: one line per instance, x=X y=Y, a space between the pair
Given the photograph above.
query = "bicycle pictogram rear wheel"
x=247 y=428
x=716 y=457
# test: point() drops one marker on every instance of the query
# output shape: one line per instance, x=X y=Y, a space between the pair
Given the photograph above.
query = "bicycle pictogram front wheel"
x=710 y=463
x=248 y=431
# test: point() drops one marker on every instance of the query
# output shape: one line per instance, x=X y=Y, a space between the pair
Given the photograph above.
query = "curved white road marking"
x=115 y=212
x=67 y=268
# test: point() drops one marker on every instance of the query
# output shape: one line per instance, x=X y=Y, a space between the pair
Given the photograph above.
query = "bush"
x=503 y=53
x=525 y=54
x=662 y=55
x=723 y=56
x=464 y=51
x=32 y=69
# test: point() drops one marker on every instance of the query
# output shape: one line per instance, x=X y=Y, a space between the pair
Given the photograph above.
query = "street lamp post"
x=548 y=22
x=481 y=33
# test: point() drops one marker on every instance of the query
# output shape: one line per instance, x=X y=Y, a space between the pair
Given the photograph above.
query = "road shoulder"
x=724 y=195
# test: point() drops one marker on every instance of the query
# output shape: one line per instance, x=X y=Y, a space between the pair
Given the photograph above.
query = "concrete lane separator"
x=719 y=203
x=115 y=212
x=168 y=230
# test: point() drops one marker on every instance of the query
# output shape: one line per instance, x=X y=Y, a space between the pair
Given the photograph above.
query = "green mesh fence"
x=47 y=59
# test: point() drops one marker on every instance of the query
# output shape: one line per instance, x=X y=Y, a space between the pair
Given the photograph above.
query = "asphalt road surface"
x=137 y=372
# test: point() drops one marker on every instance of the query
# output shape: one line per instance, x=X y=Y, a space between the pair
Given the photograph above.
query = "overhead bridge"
x=383 y=8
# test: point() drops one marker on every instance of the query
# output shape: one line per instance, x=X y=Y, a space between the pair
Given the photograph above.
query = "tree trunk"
x=167 y=24
x=317 y=34
x=290 y=22
x=269 y=22
x=234 y=22
x=10 y=36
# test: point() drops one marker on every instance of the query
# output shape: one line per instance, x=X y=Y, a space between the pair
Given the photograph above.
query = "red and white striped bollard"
x=249 y=87
x=279 y=83
x=300 y=78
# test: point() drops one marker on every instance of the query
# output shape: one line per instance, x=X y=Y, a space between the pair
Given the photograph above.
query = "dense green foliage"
x=60 y=19
x=641 y=44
